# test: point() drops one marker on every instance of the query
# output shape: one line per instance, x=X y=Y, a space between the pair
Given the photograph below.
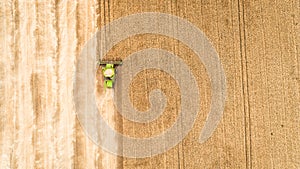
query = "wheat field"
x=258 y=45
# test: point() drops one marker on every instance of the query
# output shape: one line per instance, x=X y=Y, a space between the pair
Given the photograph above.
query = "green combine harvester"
x=109 y=72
